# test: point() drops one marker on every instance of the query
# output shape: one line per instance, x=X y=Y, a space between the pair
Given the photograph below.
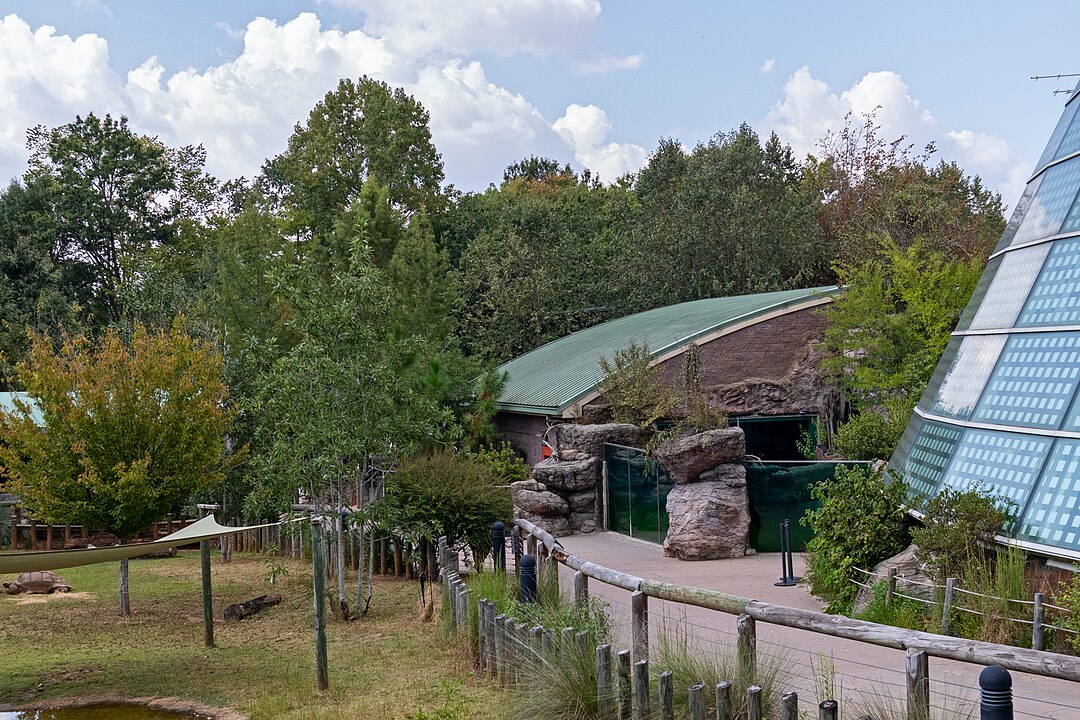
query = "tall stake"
x=207 y=595
x=319 y=574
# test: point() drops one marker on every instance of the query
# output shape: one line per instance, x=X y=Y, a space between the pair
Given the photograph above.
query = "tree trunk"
x=360 y=570
x=239 y=611
x=341 y=539
x=125 y=605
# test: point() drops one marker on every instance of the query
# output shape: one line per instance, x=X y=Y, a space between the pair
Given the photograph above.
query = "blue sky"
x=593 y=84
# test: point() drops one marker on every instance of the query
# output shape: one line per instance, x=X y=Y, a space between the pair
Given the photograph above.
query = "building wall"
x=523 y=431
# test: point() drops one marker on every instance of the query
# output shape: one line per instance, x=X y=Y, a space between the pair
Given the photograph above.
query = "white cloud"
x=767 y=67
x=602 y=63
x=584 y=128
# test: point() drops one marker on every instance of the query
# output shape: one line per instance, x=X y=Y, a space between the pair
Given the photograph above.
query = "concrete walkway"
x=863 y=671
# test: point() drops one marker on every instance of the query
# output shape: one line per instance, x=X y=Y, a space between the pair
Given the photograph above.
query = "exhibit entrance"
x=637 y=491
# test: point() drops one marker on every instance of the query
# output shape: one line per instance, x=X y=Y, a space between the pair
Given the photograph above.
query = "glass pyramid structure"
x=1002 y=410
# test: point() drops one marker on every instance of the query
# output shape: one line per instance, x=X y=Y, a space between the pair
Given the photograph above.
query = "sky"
x=593 y=84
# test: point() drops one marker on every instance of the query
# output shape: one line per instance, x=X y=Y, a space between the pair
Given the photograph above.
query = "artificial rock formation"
x=907 y=567
x=708 y=509
x=561 y=494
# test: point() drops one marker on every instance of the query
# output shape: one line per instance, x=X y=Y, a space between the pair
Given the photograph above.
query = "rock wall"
x=708 y=509
x=561 y=495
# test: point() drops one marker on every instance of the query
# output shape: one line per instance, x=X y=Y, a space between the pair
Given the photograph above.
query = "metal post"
x=498 y=547
x=790 y=554
x=527 y=590
x=319 y=575
x=995 y=694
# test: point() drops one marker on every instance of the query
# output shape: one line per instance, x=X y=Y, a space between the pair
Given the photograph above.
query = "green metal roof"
x=551 y=378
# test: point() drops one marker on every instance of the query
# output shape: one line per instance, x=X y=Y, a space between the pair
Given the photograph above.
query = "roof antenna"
x=1056 y=77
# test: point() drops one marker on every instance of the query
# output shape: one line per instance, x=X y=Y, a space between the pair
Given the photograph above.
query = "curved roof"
x=551 y=378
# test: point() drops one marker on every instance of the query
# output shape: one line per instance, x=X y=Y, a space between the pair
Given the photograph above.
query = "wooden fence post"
x=481 y=635
x=947 y=605
x=500 y=648
x=697 y=701
x=604 y=694
x=566 y=644
x=753 y=702
x=723 y=700
x=207 y=594
x=789 y=706
x=624 y=684
x=581 y=589
x=642 y=708
x=1038 y=617
x=746 y=649
x=829 y=710
x=890 y=588
x=667 y=699
x=917 y=668
x=319 y=576
x=639 y=633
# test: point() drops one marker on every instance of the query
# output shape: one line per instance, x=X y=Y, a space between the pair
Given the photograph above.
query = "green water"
x=95 y=712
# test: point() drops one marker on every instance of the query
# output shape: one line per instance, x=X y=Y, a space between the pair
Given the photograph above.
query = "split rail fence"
x=505 y=648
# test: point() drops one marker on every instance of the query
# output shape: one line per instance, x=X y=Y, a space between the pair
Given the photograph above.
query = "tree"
x=421 y=283
x=132 y=430
x=361 y=130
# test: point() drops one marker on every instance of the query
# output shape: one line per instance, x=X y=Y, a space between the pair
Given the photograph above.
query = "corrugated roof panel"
x=556 y=375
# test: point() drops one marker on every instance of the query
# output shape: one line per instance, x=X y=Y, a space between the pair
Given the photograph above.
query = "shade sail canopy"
x=204 y=529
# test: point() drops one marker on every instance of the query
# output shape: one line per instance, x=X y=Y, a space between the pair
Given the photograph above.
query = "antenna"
x=1056 y=77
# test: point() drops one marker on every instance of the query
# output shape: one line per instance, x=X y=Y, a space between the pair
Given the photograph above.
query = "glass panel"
x=924 y=464
x=975 y=303
x=1064 y=123
x=1001 y=463
x=1070 y=142
x=1052 y=201
x=637 y=494
x=1010 y=287
x=1052 y=516
x=1019 y=213
x=1033 y=382
x=1055 y=299
x=961 y=374
x=781 y=491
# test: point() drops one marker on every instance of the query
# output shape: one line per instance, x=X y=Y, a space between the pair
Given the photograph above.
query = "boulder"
x=557 y=526
x=590 y=439
x=685 y=457
x=528 y=484
x=544 y=503
x=583 y=522
x=731 y=473
x=582 y=502
x=707 y=520
x=907 y=567
x=572 y=476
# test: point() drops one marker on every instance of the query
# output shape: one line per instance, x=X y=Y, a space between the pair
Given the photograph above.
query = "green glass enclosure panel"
x=1051 y=203
x=981 y=288
x=924 y=461
x=1052 y=516
x=637 y=494
x=1010 y=287
x=1055 y=298
x=1033 y=382
x=1000 y=463
x=1020 y=212
x=1055 y=148
x=959 y=378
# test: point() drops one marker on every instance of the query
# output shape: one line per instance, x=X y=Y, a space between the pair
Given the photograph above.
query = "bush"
x=859 y=523
x=957 y=528
x=447 y=494
x=504 y=462
x=872 y=435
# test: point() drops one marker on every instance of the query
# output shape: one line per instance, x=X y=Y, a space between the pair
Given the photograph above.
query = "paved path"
x=862 y=670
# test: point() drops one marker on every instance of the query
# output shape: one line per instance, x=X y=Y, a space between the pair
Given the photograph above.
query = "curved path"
x=863 y=671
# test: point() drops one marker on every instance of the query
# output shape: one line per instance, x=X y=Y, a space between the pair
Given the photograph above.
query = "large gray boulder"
x=546 y=503
x=590 y=439
x=907 y=567
x=686 y=457
x=568 y=476
x=708 y=520
x=557 y=526
x=582 y=502
x=583 y=522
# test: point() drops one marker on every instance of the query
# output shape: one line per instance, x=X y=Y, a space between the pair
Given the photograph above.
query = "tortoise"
x=41 y=583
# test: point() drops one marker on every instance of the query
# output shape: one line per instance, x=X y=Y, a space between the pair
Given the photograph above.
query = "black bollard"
x=527 y=593
x=995 y=694
x=498 y=547
x=787 y=573
x=790 y=554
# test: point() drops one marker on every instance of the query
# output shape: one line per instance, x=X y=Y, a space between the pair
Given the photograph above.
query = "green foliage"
x=5 y=526
x=859 y=523
x=999 y=577
x=633 y=386
x=698 y=413
x=902 y=613
x=452 y=707
x=503 y=461
x=480 y=423
x=132 y=428
x=421 y=283
x=887 y=331
x=447 y=494
x=1068 y=597
x=958 y=526
x=873 y=435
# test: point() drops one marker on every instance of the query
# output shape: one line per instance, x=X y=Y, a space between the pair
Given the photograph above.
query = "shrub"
x=634 y=386
x=957 y=527
x=902 y=613
x=504 y=462
x=859 y=523
x=447 y=494
x=872 y=435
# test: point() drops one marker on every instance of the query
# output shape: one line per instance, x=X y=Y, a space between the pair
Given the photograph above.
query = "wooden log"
x=724 y=710
x=1038 y=616
x=917 y=669
x=746 y=649
x=711 y=599
x=605 y=695
x=830 y=709
x=890 y=588
x=207 y=594
x=697 y=701
x=639 y=629
x=789 y=706
x=946 y=606
x=239 y=611
x=753 y=702
x=624 y=684
x=581 y=589
x=642 y=706
x=667 y=696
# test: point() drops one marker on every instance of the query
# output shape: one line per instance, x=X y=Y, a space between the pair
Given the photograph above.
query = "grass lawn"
x=389 y=664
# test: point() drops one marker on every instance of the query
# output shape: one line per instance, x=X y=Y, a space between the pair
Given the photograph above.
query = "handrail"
x=1047 y=664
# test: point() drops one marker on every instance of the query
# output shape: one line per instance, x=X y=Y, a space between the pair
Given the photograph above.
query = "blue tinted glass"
x=924 y=463
x=1055 y=298
x=1000 y=463
x=1070 y=141
x=961 y=374
x=1010 y=287
x=975 y=303
x=1023 y=205
x=1064 y=123
x=1052 y=516
x=1051 y=203
x=1033 y=382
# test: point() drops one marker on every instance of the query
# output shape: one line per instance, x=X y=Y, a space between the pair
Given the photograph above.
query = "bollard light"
x=498 y=546
x=995 y=694
x=527 y=592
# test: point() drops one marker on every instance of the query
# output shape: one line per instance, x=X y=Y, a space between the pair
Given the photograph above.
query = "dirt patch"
x=39 y=599
x=172 y=704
